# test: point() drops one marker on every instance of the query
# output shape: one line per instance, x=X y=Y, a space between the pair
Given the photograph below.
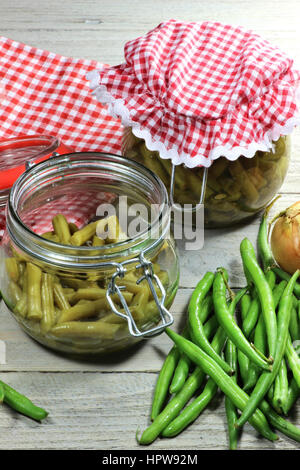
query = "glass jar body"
x=235 y=190
x=41 y=279
x=98 y=329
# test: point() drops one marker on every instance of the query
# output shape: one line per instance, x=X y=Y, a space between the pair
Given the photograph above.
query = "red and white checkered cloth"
x=45 y=93
x=198 y=91
x=48 y=94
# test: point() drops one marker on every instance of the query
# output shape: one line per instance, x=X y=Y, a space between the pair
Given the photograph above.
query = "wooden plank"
x=99 y=30
x=104 y=411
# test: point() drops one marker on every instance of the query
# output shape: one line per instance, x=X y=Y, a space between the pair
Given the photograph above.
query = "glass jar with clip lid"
x=73 y=277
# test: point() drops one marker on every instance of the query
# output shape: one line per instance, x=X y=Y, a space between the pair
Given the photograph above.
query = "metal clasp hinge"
x=150 y=276
x=202 y=195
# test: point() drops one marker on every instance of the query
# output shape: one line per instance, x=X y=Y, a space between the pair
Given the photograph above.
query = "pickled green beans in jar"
x=94 y=286
x=235 y=190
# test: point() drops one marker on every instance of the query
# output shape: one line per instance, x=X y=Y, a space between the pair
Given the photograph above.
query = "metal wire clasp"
x=150 y=276
x=202 y=195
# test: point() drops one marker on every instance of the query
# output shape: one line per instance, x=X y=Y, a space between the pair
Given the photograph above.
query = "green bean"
x=59 y=297
x=231 y=411
x=259 y=341
x=264 y=292
x=12 y=268
x=192 y=411
x=230 y=326
x=264 y=249
x=266 y=379
x=195 y=322
x=260 y=337
x=250 y=320
x=183 y=366
x=90 y=293
x=243 y=360
x=281 y=386
x=21 y=306
x=86 y=329
x=280 y=423
x=244 y=363
x=271 y=278
x=73 y=228
x=292 y=396
x=163 y=381
x=48 y=312
x=34 y=278
x=199 y=293
x=15 y=292
x=84 y=234
x=175 y=405
x=293 y=360
x=294 y=325
x=286 y=277
x=260 y=344
x=223 y=380
x=86 y=309
x=61 y=228
x=181 y=373
x=22 y=404
x=278 y=291
x=245 y=305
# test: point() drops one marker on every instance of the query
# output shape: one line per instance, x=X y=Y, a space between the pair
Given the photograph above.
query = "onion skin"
x=285 y=239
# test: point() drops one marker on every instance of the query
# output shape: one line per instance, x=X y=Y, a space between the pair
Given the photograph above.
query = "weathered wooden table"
x=99 y=404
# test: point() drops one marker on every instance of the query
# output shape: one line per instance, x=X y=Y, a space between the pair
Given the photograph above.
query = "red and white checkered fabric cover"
x=198 y=91
x=78 y=208
x=45 y=93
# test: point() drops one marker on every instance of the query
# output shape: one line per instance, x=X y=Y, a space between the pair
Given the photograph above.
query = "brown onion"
x=285 y=239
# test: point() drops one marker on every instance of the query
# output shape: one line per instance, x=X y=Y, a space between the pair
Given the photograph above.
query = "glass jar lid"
x=18 y=153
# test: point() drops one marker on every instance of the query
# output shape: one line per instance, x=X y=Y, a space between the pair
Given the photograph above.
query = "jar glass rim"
x=20 y=232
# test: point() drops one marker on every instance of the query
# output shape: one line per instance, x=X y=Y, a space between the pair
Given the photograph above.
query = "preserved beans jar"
x=234 y=191
x=72 y=285
x=209 y=107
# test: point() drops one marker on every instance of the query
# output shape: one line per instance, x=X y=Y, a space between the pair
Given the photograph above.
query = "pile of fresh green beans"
x=20 y=403
x=241 y=344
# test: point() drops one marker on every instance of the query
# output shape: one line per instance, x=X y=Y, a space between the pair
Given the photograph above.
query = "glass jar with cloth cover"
x=209 y=107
